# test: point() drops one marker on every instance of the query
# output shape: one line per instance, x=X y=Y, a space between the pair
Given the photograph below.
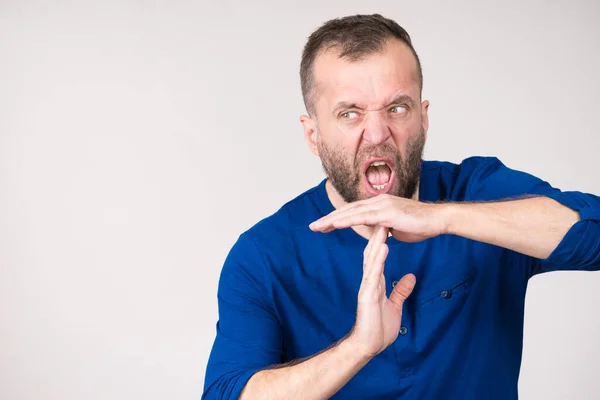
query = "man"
x=422 y=297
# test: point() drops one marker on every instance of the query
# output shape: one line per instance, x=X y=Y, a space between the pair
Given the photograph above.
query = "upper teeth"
x=377 y=163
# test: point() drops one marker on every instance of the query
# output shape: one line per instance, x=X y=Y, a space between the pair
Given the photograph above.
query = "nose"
x=375 y=129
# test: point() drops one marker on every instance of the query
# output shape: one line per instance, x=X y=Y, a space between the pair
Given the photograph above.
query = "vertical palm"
x=378 y=317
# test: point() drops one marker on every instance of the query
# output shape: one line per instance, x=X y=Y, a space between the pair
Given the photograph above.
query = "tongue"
x=378 y=175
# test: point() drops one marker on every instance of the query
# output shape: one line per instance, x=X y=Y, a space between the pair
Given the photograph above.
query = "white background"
x=138 y=139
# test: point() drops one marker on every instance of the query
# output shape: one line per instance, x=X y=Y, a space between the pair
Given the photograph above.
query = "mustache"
x=377 y=151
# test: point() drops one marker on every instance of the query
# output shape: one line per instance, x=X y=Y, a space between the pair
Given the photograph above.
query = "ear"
x=311 y=133
x=425 y=116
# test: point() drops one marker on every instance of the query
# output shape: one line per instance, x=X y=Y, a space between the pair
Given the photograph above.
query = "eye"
x=398 y=109
x=349 y=115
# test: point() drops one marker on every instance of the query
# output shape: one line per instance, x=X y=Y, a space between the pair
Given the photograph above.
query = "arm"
x=533 y=226
x=248 y=334
x=559 y=230
x=247 y=350
x=318 y=377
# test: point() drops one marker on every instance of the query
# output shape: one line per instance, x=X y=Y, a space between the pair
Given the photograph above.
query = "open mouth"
x=378 y=174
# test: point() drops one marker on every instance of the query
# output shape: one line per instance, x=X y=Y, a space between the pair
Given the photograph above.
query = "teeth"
x=378 y=164
x=379 y=187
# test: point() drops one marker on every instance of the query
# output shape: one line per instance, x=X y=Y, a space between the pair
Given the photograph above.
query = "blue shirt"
x=286 y=292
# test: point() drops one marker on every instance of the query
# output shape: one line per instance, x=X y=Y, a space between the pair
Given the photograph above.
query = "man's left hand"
x=408 y=220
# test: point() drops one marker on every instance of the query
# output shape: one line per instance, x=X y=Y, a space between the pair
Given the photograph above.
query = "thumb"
x=403 y=289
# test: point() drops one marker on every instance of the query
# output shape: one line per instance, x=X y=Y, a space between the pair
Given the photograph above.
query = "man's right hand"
x=378 y=317
x=377 y=325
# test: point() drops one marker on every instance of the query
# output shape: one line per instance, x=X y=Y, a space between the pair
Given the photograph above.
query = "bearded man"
x=394 y=277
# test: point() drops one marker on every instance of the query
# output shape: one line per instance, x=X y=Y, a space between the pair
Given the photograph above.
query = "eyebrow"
x=400 y=99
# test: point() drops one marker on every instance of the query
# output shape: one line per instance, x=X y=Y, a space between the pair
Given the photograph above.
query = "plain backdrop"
x=138 y=139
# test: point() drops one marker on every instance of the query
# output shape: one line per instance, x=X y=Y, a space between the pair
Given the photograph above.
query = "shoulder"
x=481 y=178
x=273 y=237
x=445 y=180
x=466 y=167
x=294 y=215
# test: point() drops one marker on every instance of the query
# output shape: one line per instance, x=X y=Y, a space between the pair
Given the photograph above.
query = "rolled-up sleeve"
x=490 y=179
x=248 y=333
x=580 y=247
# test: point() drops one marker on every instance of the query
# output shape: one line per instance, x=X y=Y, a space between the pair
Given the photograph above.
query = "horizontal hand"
x=408 y=220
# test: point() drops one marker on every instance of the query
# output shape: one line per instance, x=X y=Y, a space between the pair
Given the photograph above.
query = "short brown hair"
x=356 y=36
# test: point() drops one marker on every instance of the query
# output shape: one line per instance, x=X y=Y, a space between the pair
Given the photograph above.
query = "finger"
x=366 y=215
x=326 y=220
x=372 y=248
x=383 y=238
x=355 y=204
x=325 y=223
x=371 y=251
x=378 y=262
x=334 y=213
x=366 y=253
x=382 y=233
x=378 y=249
x=379 y=234
x=403 y=289
x=370 y=217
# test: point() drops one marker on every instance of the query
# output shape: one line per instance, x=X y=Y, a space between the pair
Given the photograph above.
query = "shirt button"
x=446 y=294
x=394 y=283
x=403 y=330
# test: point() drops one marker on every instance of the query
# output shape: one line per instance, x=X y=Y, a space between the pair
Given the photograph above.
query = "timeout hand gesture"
x=408 y=220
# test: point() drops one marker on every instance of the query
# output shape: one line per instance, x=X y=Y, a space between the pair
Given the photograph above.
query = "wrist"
x=355 y=350
x=448 y=214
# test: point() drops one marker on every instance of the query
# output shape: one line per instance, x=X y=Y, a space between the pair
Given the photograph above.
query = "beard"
x=345 y=175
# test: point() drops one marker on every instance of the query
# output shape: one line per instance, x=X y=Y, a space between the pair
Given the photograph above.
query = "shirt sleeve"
x=579 y=249
x=248 y=333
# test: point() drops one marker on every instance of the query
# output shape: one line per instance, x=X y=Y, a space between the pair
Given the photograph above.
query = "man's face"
x=369 y=127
